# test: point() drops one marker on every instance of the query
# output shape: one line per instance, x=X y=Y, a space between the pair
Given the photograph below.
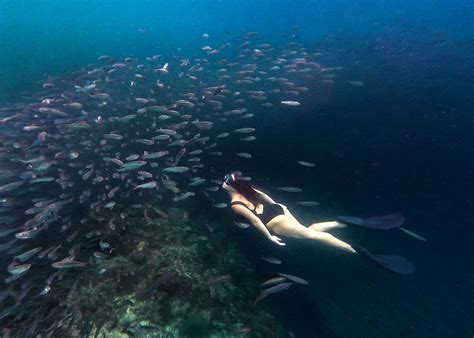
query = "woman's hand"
x=276 y=240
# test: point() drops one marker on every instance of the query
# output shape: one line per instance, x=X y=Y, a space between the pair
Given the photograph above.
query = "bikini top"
x=269 y=212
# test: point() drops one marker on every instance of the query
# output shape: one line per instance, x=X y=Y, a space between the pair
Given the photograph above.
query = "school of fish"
x=122 y=138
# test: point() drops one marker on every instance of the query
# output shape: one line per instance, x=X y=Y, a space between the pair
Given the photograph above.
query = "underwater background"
x=400 y=142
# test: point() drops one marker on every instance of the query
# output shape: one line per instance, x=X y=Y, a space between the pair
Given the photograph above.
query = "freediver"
x=250 y=205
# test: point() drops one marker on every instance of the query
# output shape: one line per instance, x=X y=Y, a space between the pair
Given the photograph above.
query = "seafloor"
x=168 y=277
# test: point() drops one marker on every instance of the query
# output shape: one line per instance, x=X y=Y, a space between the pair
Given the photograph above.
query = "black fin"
x=393 y=263
x=385 y=222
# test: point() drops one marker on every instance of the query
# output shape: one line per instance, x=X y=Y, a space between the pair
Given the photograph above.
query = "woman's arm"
x=243 y=211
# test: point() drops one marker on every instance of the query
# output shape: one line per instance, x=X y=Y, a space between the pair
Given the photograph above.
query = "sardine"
x=176 y=169
x=306 y=164
x=148 y=185
x=273 y=289
x=271 y=260
x=294 y=278
x=290 y=189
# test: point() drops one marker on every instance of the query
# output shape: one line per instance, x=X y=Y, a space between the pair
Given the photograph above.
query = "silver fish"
x=273 y=289
x=222 y=135
x=10 y=186
x=145 y=174
x=132 y=166
x=356 y=83
x=132 y=157
x=271 y=260
x=157 y=154
x=127 y=118
x=244 y=130
x=412 y=234
x=195 y=152
x=306 y=164
x=68 y=263
x=28 y=254
x=115 y=161
x=290 y=103
x=148 y=185
x=113 y=136
x=28 y=233
x=274 y=280
x=18 y=269
x=110 y=205
x=161 y=137
x=307 y=203
x=294 y=278
x=176 y=169
x=290 y=189
x=145 y=141
x=179 y=156
x=196 y=182
x=42 y=180
x=184 y=196
x=242 y=225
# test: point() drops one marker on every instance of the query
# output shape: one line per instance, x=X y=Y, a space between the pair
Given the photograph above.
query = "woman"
x=250 y=205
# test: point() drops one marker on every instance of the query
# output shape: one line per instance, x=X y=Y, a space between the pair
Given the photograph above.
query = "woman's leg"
x=325 y=226
x=288 y=226
x=327 y=238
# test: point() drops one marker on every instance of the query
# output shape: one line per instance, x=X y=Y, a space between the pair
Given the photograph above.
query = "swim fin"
x=393 y=263
x=384 y=222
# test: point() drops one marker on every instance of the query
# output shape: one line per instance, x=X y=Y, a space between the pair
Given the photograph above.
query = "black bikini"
x=270 y=211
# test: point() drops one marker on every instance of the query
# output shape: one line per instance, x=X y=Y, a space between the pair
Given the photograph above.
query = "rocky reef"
x=169 y=277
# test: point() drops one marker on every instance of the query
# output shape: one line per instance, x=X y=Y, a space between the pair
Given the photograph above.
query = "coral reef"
x=170 y=278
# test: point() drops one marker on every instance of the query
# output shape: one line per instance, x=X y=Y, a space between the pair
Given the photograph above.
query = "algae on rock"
x=171 y=279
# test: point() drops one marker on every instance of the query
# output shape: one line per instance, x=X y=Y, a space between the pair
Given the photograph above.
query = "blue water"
x=403 y=142
x=41 y=38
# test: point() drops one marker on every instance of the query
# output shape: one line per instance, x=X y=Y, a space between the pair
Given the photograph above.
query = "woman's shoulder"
x=236 y=202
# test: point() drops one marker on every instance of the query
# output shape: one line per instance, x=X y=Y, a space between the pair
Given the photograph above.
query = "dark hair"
x=245 y=188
